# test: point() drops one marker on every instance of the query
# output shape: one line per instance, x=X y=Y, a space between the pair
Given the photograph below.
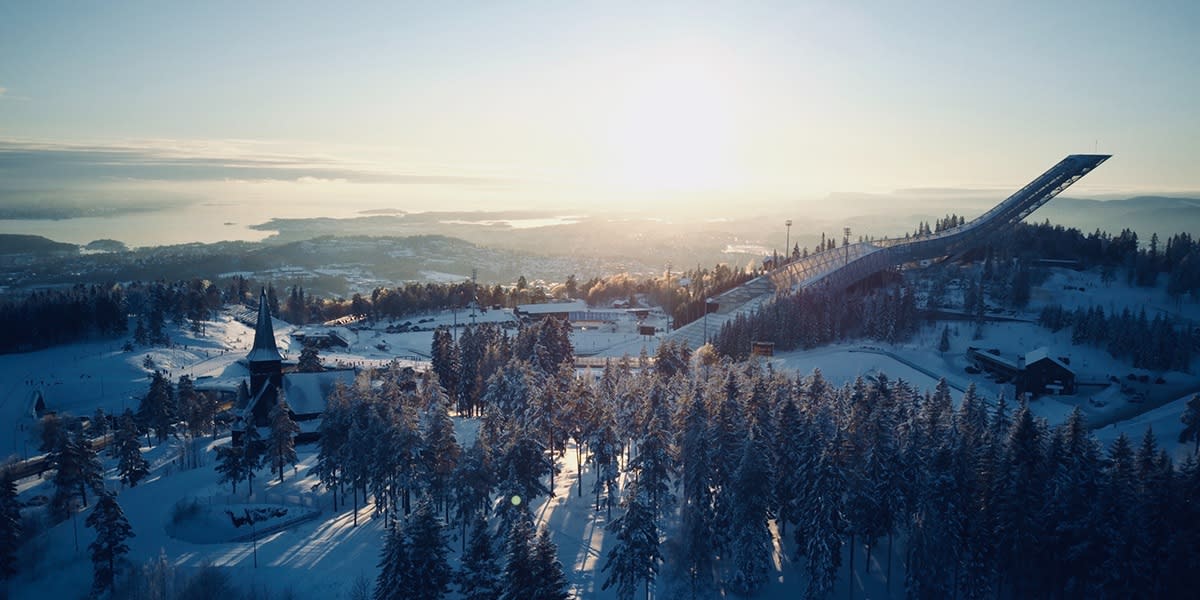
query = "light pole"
x=707 y=307
x=846 y=242
x=787 y=244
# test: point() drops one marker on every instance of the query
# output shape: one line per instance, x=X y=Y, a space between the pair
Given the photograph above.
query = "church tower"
x=266 y=365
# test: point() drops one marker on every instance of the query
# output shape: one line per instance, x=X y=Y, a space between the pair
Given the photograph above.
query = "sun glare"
x=673 y=126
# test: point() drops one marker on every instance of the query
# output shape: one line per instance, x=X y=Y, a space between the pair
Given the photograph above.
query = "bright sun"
x=673 y=126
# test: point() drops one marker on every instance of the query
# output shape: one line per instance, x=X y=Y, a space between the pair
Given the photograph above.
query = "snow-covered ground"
x=321 y=557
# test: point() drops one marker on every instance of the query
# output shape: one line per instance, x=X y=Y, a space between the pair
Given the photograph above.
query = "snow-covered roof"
x=553 y=307
x=1039 y=353
x=995 y=358
x=306 y=393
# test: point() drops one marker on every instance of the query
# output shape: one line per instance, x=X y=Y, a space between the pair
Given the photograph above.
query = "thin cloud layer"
x=26 y=165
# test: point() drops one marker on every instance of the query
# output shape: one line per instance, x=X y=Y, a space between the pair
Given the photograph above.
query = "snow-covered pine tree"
x=518 y=582
x=439 y=454
x=696 y=510
x=727 y=435
x=444 y=362
x=654 y=464
x=751 y=537
x=580 y=419
x=1191 y=424
x=393 y=566
x=819 y=535
x=467 y=381
x=98 y=426
x=310 y=360
x=1071 y=497
x=231 y=465
x=282 y=439
x=526 y=463
x=112 y=530
x=634 y=560
x=132 y=467
x=472 y=483
x=605 y=452
x=550 y=583
x=428 y=575
x=1019 y=522
x=1156 y=495
x=478 y=576
x=252 y=454
x=334 y=432
x=10 y=526
x=157 y=409
x=1118 y=502
x=78 y=469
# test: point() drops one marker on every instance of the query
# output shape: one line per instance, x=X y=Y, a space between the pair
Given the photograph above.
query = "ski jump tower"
x=841 y=267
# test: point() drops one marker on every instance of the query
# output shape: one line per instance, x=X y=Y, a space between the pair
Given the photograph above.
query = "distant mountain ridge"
x=1145 y=215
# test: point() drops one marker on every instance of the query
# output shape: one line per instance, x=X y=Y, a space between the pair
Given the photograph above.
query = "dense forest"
x=696 y=458
x=703 y=464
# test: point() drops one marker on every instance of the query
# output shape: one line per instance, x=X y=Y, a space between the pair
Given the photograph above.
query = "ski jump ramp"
x=842 y=267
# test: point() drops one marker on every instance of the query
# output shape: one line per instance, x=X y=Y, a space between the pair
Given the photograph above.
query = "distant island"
x=16 y=243
x=106 y=245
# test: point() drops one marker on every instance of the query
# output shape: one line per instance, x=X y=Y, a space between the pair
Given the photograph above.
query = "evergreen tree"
x=334 y=433
x=727 y=436
x=310 y=360
x=132 y=467
x=944 y=344
x=444 y=361
x=634 y=559
x=10 y=526
x=53 y=434
x=550 y=583
x=394 y=567
x=819 y=535
x=1191 y=424
x=472 y=482
x=751 y=537
x=282 y=439
x=696 y=512
x=654 y=464
x=197 y=408
x=525 y=462
x=479 y=574
x=231 y=465
x=1023 y=474
x=157 y=409
x=1118 y=502
x=98 y=427
x=439 y=454
x=112 y=530
x=78 y=469
x=605 y=452
x=252 y=454
x=428 y=574
x=518 y=579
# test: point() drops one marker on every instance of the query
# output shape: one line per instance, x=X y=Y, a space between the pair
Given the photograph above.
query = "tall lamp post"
x=708 y=302
x=787 y=244
x=846 y=242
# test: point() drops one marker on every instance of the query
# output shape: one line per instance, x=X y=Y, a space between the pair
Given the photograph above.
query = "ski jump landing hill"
x=841 y=267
